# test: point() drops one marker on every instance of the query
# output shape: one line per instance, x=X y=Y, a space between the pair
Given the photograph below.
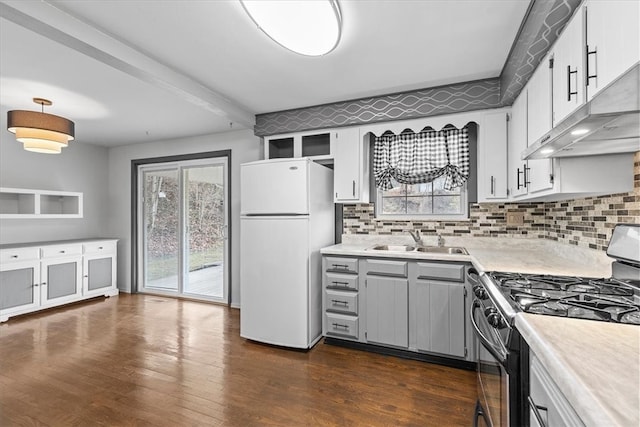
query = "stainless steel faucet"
x=416 y=237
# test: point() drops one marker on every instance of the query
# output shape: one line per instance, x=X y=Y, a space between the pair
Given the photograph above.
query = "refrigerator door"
x=274 y=187
x=274 y=284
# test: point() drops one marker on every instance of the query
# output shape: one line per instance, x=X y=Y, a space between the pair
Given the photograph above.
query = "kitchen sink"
x=394 y=248
x=428 y=249
x=443 y=250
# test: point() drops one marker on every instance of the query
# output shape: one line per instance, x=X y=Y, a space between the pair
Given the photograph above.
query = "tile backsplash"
x=585 y=222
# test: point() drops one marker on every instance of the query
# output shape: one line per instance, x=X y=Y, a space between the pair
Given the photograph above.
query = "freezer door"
x=274 y=187
x=274 y=284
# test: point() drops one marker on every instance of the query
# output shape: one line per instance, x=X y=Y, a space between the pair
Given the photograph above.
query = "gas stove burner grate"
x=520 y=281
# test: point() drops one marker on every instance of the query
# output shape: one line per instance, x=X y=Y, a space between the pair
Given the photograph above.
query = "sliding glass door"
x=183 y=229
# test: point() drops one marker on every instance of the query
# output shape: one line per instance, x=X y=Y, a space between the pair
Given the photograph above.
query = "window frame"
x=462 y=216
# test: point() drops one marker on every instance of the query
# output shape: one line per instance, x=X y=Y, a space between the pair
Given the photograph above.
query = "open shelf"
x=280 y=148
x=27 y=203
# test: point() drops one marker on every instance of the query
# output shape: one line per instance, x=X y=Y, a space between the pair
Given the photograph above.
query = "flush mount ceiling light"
x=308 y=27
x=40 y=132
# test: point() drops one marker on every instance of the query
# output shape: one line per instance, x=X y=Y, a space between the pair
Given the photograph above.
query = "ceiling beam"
x=58 y=25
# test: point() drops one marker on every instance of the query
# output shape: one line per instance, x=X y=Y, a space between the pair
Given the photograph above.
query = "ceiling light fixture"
x=40 y=132
x=310 y=28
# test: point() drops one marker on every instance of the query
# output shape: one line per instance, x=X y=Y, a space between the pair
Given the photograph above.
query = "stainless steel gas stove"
x=499 y=296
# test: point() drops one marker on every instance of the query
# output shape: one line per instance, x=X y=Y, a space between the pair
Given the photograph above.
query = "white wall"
x=80 y=167
x=244 y=146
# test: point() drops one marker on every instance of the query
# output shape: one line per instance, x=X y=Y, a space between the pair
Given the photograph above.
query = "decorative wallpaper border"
x=469 y=96
x=545 y=19
x=540 y=29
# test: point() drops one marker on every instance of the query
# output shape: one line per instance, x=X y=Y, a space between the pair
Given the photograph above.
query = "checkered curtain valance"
x=415 y=158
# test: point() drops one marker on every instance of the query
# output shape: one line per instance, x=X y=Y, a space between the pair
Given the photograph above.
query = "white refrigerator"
x=287 y=216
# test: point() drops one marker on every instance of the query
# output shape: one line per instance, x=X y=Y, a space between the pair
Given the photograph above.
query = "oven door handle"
x=500 y=353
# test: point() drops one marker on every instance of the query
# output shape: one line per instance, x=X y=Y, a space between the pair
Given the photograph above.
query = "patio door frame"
x=137 y=248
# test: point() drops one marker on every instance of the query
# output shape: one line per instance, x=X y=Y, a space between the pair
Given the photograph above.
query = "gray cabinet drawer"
x=341 y=281
x=442 y=271
x=342 y=265
x=387 y=267
x=342 y=302
x=341 y=325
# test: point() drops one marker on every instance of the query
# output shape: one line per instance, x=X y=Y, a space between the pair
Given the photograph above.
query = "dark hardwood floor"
x=148 y=360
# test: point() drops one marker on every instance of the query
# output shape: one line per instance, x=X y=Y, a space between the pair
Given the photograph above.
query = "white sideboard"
x=36 y=276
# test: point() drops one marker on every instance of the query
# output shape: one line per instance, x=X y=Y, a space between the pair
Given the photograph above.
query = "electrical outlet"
x=515 y=218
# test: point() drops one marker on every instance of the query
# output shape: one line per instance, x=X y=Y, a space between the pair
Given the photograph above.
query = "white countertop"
x=492 y=254
x=596 y=365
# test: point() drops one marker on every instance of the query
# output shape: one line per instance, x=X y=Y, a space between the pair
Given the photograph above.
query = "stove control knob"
x=495 y=320
x=480 y=292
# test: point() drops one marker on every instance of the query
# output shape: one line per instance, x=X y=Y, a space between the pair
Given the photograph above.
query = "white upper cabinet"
x=350 y=166
x=492 y=156
x=539 y=120
x=517 y=143
x=568 y=68
x=613 y=41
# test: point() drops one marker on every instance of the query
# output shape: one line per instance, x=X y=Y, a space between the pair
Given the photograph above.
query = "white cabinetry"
x=517 y=143
x=613 y=41
x=99 y=268
x=313 y=144
x=492 y=156
x=350 y=167
x=568 y=68
x=548 y=407
x=387 y=311
x=20 y=203
x=44 y=275
x=60 y=274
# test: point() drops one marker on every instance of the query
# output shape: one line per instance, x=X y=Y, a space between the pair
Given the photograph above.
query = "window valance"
x=415 y=158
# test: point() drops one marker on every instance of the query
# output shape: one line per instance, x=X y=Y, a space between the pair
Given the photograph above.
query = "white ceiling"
x=137 y=71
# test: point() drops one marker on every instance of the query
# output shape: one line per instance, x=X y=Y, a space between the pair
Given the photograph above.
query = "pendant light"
x=40 y=132
x=310 y=28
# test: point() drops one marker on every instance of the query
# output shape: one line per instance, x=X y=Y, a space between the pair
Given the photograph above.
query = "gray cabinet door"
x=18 y=287
x=99 y=273
x=440 y=316
x=387 y=307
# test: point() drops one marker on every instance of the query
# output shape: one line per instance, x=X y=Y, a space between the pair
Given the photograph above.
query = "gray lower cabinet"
x=440 y=314
x=401 y=303
x=387 y=311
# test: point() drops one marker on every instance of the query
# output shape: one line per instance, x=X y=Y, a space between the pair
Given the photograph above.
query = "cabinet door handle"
x=492 y=180
x=44 y=283
x=61 y=252
x=338 y=302
x=14 y=256
x=100 y=247
x=518 y=185
x=587 y=75
x=526 y=176
x=354 y=188
x=536 y=412
x=36 y=284
x=86 y=275
x=569 y=92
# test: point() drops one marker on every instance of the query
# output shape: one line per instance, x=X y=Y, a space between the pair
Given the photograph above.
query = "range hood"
x=609 y=123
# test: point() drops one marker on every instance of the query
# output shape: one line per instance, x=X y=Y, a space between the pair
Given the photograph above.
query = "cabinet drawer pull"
x=61 y=252
x=14 y=256
x=36 y=284
x=44 y=283
x=340 y=326
x=338 y=302
x=100 y=247
x=343 y=284
x=340 y=266
x=569 y=73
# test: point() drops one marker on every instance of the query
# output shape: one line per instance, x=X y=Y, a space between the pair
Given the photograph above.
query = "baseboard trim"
x=405 y=354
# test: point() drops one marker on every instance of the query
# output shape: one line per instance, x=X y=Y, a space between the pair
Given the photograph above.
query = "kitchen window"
x=422 y=174
x=427 y=201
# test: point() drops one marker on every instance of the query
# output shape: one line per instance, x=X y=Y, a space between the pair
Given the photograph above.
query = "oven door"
x=492 y=408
